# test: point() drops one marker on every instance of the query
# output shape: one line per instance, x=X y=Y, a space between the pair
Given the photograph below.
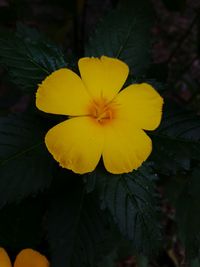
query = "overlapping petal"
x=105 y=122
x=4 y=259
x=103 y=77
x=125 y=148
x=30 y=258
x=76 y=144
x=140 y=104
x=63 y=93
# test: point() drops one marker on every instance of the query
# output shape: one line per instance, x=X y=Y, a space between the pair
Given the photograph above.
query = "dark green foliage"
x=177 y=141
x=188 y=215
x=109 y=260
x=63 y=220
x=82 y=217
x=9 y=98
x=30 y=34
x=76 y=226
x=176 y=151
x=130 y=198
x=183 y=193
x=25 y=164
x=125 y=33
x=29 y=57
x=21 y=225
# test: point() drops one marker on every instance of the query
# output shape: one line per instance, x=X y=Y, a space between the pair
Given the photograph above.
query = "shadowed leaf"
x=125 y=34
x=130 y=198
x=29 y=57
x=25 y=164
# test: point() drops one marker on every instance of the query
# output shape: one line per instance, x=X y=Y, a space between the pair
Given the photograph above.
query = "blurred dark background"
x=175 y=38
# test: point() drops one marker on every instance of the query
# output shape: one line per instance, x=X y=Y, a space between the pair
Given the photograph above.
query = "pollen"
x=102 y=111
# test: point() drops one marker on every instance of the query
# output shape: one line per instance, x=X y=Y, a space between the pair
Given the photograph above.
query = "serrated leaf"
x=188 y=215
x=29 y=58
x=125 y=34
x=25 y=164
x=177 y=141
x=91 y=179
x=75 y=225
x=130 y=198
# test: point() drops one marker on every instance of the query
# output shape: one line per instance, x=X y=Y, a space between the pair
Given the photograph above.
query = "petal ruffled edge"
x=76 y=144
x=125 y=148
x=141 y=104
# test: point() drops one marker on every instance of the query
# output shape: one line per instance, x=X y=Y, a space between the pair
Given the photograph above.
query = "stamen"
x=101 y=111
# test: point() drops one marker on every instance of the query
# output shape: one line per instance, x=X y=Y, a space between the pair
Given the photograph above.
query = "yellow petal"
x=63 y=93
x=30 y=258
x=103 y=77
x=141 y=104
x=4 y=259
x=76 y=144
x=125 y=148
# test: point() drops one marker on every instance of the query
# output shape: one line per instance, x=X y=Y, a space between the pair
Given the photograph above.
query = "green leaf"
x=9 y=97
x=195 y=263
x=125 y=34
x=25 y=165
x=188 y=215
x=29 y=57
x=109 y=260
x=27 y=33
x=130 y=198
x=173 y=186
x=142 y=261
x=76 y=226
x=177 y=141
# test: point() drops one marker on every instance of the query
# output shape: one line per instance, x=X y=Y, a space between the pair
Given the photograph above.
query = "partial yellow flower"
x=26 y=258
x=4 y=259
x=103 y=121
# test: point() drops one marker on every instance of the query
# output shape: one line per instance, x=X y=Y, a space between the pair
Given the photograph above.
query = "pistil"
x=101 y=111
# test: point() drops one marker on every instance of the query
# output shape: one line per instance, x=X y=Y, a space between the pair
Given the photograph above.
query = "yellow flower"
x=26 y=258
x=103 y=121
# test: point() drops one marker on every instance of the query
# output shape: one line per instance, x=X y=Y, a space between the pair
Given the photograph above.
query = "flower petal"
x=125 y=148
x=141 y=104
x=76 y=144
x=103 y=77
x=4 y=259
x=30 y=258
x=63 y=93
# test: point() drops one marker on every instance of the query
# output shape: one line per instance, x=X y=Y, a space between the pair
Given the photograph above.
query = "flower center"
x=102 y=111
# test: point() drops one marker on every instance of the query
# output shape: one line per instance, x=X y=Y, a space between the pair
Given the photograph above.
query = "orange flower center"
x=101 y=111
